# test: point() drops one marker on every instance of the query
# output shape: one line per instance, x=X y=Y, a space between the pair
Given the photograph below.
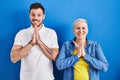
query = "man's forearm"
x=18 y=54
x=47 y=51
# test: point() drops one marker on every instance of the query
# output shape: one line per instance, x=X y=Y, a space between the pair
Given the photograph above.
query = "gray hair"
x=80 y=20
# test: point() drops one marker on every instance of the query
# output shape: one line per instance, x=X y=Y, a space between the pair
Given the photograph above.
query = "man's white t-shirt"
x=36 y=66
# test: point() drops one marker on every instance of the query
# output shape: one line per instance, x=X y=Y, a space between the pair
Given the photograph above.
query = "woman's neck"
x=81 y=41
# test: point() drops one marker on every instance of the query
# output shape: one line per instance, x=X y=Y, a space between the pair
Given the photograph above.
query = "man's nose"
x=35 y=17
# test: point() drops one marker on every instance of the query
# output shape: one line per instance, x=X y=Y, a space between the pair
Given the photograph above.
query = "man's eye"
x=33 y=15
x=39 y=15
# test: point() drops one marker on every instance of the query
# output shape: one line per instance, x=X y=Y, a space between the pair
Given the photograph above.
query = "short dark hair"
x=36 y=6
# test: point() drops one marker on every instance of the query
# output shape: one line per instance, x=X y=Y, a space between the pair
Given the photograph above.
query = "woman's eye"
x=83 y=27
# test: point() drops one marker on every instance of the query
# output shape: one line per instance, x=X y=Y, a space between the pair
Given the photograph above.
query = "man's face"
x=36 y=17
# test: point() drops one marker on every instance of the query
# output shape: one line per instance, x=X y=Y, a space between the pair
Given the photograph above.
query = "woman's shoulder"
x=68 y=42
x=92 y=42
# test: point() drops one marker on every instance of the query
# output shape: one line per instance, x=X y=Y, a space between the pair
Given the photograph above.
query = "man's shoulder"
x=23 y=30
x=47 y=29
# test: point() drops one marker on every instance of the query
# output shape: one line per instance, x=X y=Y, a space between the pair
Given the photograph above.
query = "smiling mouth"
x=35 y=21
x=80 y=34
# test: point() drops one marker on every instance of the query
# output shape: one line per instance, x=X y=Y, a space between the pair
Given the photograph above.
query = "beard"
x=36 y=23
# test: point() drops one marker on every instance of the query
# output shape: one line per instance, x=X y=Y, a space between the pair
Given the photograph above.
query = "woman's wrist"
x=79 y=55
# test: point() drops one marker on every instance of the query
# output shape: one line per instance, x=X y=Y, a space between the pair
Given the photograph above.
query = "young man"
x=36 y=47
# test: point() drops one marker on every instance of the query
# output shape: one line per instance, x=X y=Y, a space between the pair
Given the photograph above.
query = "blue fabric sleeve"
x=63 y=61
x=98 y=62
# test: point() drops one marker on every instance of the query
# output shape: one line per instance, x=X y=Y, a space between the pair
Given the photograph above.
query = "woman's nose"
x=80 y=30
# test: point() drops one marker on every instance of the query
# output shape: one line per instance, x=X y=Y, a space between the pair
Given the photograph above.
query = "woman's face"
x=80 y=29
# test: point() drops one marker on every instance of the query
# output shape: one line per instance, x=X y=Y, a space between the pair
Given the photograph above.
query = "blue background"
x=103 y=17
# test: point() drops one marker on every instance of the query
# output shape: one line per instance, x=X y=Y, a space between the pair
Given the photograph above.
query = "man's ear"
x=44 y=17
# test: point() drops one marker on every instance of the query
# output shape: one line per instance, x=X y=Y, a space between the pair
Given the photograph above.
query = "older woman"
x=80 y=58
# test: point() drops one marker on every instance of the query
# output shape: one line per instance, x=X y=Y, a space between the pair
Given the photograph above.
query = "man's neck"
x=38 y=27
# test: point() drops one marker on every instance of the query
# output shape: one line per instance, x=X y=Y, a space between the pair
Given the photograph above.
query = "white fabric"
x=36 y=66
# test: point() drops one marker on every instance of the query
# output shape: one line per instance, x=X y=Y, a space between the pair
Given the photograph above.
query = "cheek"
x=40 y=18
x=75 y=33
x=31 y=18
x=86 y=31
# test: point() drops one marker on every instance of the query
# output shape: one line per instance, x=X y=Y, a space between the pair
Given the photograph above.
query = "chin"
x=79 y=37
x=38 y=24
